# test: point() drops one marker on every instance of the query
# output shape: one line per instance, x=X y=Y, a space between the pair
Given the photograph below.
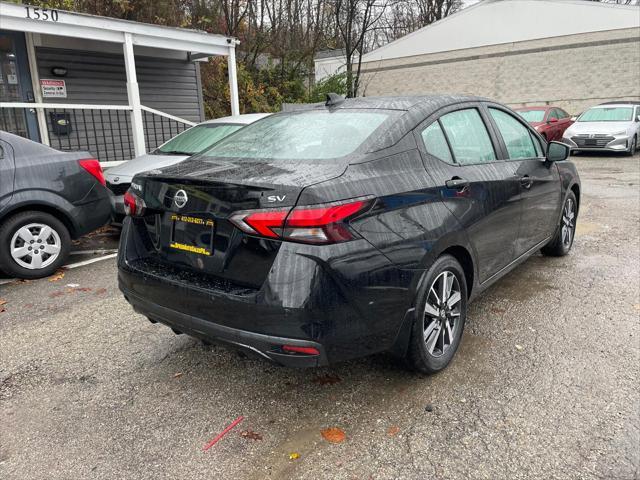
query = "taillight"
x=92 y=166
x=319 y=224
x=134 y=206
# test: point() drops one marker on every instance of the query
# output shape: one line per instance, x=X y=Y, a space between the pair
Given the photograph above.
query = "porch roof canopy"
x=23 y=18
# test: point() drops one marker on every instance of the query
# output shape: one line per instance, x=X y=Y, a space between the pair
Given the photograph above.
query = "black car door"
x=539 y=180
x=7 y=172
x=461 y=156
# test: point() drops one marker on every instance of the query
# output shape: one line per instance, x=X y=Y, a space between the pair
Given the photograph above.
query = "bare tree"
x=355 y=20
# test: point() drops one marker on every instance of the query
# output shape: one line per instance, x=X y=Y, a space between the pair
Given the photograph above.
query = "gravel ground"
x=545 y=384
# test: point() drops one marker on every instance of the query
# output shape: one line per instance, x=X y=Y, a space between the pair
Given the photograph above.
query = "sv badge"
x=276 y=198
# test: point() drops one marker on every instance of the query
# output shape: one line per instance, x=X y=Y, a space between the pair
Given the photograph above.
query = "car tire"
x=633 y=147
x=561 y=243
x=52 y=249
x=438 y=325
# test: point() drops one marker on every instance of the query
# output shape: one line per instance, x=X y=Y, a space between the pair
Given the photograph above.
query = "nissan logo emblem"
x=180 y=198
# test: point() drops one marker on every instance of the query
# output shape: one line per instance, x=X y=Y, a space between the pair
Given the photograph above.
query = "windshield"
x=532 y=115
x=197 y=139
x=302 y=135
x=613 y=114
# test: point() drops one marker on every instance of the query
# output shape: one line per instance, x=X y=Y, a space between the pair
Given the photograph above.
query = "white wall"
x=325 y=67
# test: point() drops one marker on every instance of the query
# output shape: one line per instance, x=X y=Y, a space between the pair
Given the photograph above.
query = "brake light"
x=92 y=166
x=134 y=206
x=302 y=350
x=318 y=224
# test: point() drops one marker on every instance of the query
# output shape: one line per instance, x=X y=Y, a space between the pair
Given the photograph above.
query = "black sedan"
x=339 y=230
x=47 y=198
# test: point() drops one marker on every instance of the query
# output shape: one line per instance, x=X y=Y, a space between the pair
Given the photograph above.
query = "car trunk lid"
x=188 y=209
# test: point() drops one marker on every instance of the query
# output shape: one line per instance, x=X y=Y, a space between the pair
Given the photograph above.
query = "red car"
x=549 y=121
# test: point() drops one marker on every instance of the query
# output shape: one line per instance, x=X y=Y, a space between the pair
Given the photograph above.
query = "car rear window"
x=197 y=138
x=532 y=115
x=613 y=114
x=303 y=135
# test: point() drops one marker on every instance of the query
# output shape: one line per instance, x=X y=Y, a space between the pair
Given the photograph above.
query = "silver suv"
x=613 y=127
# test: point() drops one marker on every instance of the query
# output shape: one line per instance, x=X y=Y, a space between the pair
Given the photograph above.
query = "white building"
x=570 y=53
x=328 y=63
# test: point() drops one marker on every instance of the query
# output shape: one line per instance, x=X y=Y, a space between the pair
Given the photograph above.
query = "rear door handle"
x=526 y=181
x=457 y=183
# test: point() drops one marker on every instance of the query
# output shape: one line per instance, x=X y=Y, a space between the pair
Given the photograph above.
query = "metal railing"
x=160 y=127
x=103 y=130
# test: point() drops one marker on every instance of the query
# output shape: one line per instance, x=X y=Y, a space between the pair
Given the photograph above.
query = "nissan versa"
x=337 y=230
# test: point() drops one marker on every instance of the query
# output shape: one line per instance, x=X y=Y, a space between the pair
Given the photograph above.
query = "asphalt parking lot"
x=545 y=385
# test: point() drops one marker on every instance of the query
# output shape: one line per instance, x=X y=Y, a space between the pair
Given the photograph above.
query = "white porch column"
x=35 y=85
x=233 y=80
x=133 y=93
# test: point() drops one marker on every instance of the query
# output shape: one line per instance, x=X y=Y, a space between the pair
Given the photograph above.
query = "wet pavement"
x=545 y=384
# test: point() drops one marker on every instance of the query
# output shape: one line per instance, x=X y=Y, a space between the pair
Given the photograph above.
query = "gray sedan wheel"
x=34 y=244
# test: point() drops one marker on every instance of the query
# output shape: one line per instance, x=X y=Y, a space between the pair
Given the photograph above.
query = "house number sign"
x=35 y=13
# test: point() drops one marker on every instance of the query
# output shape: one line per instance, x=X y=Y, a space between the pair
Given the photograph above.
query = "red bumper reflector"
x=303 y=350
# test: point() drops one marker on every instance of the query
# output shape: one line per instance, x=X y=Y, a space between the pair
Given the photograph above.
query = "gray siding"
x=171 y=86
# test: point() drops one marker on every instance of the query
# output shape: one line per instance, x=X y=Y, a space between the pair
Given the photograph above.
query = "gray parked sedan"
x=179 y=148
x=612 y=127
x=47 y=198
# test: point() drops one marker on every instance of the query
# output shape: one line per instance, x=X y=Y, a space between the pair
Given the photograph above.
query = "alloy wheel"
x=568 y=222
x=35 y=246
x=442 y=313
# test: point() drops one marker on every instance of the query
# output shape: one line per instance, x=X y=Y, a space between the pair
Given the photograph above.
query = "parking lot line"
x=72 y=265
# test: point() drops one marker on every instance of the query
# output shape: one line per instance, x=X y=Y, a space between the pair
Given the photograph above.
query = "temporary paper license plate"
x=192 y=234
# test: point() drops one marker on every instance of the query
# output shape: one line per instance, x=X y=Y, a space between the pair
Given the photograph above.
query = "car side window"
x=468 y=137
x=562 y=113
x=554 y=114
x=537 y=145
x=516 y=136
x=435 y=142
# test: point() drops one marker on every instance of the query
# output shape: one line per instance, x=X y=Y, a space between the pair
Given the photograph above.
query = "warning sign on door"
x=53 y=88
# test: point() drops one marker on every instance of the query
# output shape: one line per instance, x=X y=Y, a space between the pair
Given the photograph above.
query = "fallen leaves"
x=333 y=435
x=327 y=379
x=59 y=275
x=3 y=302
x=178 y=375
x=250 y=435
x=393 y=430
x=294 y=456
x=519 y=347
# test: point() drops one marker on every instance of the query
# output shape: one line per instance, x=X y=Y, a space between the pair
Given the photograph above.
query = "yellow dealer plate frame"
x=184 y=238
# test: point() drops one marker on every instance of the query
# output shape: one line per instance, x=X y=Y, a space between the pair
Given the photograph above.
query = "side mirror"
x=638 y=118
x=573 y=119
x=553 y=120
x=558 y=151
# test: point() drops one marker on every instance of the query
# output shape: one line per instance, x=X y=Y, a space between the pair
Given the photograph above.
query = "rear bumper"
x=343 y=309
x=255 y=344
x=93 y=214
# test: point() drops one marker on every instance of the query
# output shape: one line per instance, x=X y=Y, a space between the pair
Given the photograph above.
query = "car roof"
x=407 y=103
x=244 y=119
x=548 y=107
x=620 y=104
